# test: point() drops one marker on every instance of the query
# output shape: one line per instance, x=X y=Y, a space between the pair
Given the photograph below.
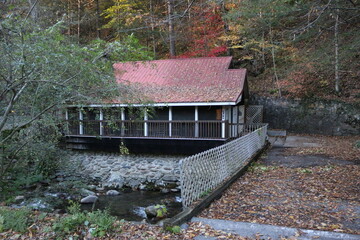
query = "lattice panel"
x=202 y=172
x=254 y=114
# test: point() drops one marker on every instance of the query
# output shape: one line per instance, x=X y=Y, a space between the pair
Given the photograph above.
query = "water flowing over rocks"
x=113 y=170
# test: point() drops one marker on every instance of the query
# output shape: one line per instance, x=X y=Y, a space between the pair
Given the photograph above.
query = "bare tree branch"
x=313 y=22
x=31 y=9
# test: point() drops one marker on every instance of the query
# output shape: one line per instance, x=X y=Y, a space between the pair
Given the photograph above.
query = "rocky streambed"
x=123 y=184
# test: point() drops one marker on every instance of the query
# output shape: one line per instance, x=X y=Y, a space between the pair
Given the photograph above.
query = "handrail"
x=155 y=121
x=207 y=129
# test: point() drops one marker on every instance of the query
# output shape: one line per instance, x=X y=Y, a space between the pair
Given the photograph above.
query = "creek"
x=131 y=206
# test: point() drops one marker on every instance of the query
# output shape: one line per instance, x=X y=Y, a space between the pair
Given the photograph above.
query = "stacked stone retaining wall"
x=310 y=116
x=114 y=170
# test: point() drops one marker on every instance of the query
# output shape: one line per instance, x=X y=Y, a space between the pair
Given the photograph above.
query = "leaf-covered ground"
x=42 y=229
x=338 y=147
x=323 y=197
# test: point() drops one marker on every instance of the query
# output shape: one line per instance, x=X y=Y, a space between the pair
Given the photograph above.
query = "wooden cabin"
x=170 y=106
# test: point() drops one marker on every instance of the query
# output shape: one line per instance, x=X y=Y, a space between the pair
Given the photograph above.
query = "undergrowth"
x=97 y=223
x=17 y=220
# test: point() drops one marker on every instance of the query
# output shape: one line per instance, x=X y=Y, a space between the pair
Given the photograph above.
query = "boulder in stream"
x=89 y=199
x=19 y=199
x=112 y=193
x=84 y=192
x=157 y=211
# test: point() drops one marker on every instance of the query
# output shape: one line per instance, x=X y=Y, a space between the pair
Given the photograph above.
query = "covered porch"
x=173 y=122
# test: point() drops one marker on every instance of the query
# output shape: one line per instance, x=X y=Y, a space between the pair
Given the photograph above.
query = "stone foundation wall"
x=311 y=117
x=135 y=171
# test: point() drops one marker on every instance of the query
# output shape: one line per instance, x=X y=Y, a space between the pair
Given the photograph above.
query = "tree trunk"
x=69 y=17
x=78 y=19
x=189 y=11
x=97 y=19
x=227 y=30
x=336 y=40
x=170 y=4
x=274 y=62
x=152 y=28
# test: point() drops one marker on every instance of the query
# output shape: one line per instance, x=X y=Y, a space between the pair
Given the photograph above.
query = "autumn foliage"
x=204 y=32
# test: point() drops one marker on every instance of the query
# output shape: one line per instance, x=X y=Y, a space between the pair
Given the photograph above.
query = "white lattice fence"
x=202 y=172
x=254 y=114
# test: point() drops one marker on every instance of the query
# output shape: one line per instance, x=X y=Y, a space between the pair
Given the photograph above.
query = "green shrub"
x=71 y=222
x=205 y=193
x=174 y=229
x=97 y=222
x=357 y=144
x=2 y=223
x=101 y=222
x=14 y=219
x=257 y=167
x=305 y=170
x=161 y=210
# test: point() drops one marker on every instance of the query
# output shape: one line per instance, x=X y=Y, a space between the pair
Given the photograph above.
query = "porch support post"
x=170 y=119
x=101 y=122
x=122 y=122
x=223 y=123
x=196 y=121
x=145 y=123
x=81 y=125
x=67 y=124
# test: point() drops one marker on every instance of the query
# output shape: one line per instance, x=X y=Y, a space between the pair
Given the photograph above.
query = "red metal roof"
x=180 y=80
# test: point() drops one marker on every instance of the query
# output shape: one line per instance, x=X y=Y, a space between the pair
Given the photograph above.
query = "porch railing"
x=154 y=128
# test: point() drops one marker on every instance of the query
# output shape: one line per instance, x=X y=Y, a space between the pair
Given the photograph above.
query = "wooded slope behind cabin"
x=291 y=48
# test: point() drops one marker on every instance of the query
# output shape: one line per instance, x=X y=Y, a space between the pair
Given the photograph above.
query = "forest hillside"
x=291 y=48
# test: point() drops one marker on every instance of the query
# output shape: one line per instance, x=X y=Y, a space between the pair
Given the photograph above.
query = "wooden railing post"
x=145 y=124
x=122 y=122
x=228 y=130
x=170 y=120
x=81 y=125
x=223 y=127
x=101 y=122
x=67 y=121
x=196 y=121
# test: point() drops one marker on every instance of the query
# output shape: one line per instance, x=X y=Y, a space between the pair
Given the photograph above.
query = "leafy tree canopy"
x=41 y=71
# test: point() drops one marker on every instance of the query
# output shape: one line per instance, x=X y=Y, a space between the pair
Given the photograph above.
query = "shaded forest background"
x=295 y=48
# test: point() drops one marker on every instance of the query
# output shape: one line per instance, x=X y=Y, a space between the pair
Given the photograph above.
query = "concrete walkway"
x=250 y=230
